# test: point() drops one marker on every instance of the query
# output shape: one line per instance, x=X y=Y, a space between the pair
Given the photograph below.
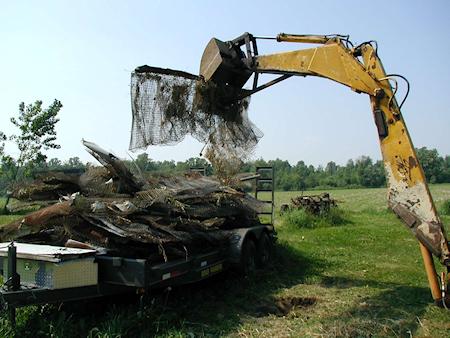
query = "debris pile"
x=314 y=204
x=49 y=186
x=167 y=105
x=111 y=209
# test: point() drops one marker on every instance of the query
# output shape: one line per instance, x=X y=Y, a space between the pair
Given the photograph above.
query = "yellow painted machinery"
x=231 y=64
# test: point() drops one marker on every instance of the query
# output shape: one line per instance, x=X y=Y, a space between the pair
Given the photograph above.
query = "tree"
x=54 y=164
x=142 y=161
x=74 y=163
x=2 y=143
x=36 y=134
x=446 y=173
x=331 y=168
x=432 y=164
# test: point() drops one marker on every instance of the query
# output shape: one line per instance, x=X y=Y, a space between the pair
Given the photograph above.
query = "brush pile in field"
x=314 y=204
x=167 y=105
x=111 y=208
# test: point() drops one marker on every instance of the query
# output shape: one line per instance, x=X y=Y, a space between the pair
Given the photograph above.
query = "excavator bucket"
x=222 y=63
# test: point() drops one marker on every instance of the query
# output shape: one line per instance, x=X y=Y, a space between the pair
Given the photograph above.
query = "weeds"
x=116 y=324
x=2 y=206
x=5 y=328
x=445 y=209
x=300 y=218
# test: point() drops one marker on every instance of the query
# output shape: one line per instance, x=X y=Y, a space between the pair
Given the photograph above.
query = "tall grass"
x=300 y=218
x=2 y=205
x=445 y=209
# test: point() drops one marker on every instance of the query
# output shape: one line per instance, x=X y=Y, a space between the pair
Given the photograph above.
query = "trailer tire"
x=248 y=263
x=264 y=250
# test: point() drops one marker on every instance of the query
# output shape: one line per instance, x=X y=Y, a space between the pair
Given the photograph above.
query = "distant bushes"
x=300 y=218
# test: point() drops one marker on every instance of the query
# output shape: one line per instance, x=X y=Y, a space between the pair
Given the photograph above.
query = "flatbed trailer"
x=248 y=248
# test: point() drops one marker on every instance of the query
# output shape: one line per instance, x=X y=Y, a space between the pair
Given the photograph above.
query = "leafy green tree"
x=166 y=166
x=74 y=163
x=331 y=168
x=54 y=164
x=142 y=161
x=446 y=170
x=432 y=164
x=36 y=134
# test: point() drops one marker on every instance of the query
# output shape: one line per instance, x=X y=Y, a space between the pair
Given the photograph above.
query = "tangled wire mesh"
x=167 y=105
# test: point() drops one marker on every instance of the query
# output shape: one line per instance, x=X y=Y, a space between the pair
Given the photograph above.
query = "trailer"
x=50 y=274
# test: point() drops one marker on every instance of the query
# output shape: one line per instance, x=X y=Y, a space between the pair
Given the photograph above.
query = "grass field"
x=364 y=278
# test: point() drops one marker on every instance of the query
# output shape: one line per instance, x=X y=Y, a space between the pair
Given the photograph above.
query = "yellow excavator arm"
x=360 y=69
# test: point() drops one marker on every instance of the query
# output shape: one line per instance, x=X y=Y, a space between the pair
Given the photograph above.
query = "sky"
x=82 y=53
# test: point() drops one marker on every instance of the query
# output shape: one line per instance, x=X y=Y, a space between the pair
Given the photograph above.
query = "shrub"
x=336 y=217
x=300 y=218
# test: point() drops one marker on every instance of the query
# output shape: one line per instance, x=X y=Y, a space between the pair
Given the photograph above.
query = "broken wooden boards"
x=159 y=218
x=314 y=204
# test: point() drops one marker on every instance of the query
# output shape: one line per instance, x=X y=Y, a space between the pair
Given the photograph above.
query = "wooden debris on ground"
x=314 y=204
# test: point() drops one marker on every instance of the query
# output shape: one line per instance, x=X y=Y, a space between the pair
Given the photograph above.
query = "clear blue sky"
x=82 y=53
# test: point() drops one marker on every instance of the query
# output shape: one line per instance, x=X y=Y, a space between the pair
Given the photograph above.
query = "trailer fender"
x=239 y=236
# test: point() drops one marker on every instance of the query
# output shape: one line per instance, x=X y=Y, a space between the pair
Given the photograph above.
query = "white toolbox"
x=52 y=267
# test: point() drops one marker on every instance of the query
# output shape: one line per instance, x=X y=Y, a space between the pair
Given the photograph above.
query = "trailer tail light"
x=173 y=274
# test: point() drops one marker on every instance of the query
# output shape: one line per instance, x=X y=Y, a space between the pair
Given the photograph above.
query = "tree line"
x=361 y=172
x=358 y=173
x=36 y=134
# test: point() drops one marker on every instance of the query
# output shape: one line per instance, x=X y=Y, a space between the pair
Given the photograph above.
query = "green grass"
x=367 y=276
x=4 y=219
x=445 y=208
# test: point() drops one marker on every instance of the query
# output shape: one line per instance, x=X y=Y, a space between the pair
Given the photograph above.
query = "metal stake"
x=13 y=281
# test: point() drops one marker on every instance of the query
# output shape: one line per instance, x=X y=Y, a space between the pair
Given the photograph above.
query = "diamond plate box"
x=52 y=267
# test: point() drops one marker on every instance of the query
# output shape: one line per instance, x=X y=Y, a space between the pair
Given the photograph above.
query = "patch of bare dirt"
x=282 y=306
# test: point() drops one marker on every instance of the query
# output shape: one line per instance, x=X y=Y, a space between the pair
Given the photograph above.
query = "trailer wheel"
x=264 y=251
x=248 y=257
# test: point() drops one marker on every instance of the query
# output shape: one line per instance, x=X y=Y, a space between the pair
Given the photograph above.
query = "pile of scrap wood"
x=113 y=210
x=314 y=204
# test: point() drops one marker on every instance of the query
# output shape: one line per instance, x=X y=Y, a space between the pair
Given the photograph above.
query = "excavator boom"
x=359 y=68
